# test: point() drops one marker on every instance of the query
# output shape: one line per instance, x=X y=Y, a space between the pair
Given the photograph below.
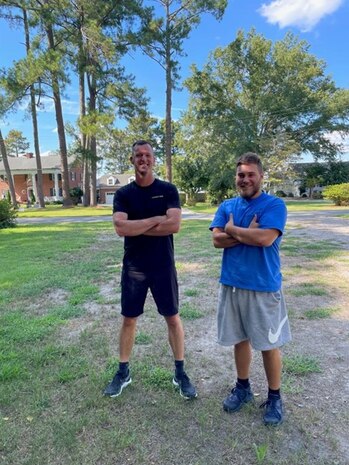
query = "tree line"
x=252 y=95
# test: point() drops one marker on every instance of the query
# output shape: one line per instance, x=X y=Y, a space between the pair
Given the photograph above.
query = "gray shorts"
x=259 y=317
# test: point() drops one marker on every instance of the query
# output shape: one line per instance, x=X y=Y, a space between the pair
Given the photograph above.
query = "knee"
x=173 y=321
x=129 y=323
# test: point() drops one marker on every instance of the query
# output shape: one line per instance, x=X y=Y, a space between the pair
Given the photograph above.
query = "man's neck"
x=145 y=181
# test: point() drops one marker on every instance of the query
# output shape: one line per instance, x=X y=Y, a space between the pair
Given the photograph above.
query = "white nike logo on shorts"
x=273 y=337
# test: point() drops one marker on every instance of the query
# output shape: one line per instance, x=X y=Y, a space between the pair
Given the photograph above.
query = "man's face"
x=248 y=181
x=143 y=159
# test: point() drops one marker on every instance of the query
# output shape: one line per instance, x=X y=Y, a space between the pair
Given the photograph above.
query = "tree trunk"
x=84 y=144
x=93 y=198
x=39 y=184
x=168 y=121
x=93 y=144
x=67 y=201
x=8 y=171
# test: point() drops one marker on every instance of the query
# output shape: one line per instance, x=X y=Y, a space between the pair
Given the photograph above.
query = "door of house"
x=109 y=198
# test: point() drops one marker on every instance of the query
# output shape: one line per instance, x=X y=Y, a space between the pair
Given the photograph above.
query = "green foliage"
x=280 y=194
x=301 y=365
x=187 y=312
x=191 y=175
x=143 y=338
x=76 y=193
x=265 y=97
x=319 y=313
x=338 y=193
x=8 y=214
x=16 y=143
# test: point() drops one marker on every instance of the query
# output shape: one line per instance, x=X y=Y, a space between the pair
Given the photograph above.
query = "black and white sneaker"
x=116 y=386
x=186 y=389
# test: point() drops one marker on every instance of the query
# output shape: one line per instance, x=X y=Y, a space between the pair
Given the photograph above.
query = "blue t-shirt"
x=246 y=266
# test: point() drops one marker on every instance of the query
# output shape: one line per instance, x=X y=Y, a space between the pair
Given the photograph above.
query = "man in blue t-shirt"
x=251 y=307
x=147 y=213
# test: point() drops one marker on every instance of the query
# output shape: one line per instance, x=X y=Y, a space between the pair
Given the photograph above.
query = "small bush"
x=338 y=193
x=76 y=194
x=280 y=194
x=8 y=215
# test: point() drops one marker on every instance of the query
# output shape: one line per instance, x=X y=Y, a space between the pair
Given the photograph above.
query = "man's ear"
x=131 y=159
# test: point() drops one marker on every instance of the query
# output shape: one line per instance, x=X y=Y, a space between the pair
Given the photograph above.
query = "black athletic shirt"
x=147 y=252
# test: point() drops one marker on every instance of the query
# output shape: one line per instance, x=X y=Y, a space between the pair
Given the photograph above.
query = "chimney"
x=28 y=155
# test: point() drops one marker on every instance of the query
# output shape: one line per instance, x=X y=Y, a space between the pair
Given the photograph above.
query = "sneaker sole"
x=174 y=382
x=273 y=425
x=126 y=383
x=229 y=410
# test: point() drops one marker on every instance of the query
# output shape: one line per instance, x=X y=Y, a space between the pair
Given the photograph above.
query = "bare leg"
x=127 y=338
x=176 y=336
x=243 y=358
x=272 y=366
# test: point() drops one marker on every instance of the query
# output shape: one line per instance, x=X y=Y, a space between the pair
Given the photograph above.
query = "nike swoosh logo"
x=273 y=337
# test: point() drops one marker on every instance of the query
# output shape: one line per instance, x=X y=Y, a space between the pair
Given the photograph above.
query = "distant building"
x=109 y=183
x=24 y=174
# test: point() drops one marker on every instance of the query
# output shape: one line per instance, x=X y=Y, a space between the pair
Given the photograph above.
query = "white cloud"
x=339 y=138
x=304 y=14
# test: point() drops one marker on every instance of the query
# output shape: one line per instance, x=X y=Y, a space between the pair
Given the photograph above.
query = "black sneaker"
x=273 y=415
x=186 y=389
x=238 y=397
x=118 y=383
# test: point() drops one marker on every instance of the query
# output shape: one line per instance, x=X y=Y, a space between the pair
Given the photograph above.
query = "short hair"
x=140 y=142
x=250 y=158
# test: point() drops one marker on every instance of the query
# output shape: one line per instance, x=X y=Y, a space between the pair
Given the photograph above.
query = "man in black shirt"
x=147 y=213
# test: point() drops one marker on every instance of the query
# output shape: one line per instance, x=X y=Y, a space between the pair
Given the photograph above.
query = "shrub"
x=76 y=194
x=338 y=193
x=280 y=194
x=8 y=215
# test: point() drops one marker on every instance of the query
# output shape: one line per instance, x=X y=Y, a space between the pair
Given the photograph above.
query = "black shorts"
x=134 y=288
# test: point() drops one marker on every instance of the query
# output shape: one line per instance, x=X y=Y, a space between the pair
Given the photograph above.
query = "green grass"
x=51 y=211
x=59 y=337
x=301 y=365
x=320 y=313
x=306 y=289
x=292 y=206
x=191 y=292
x=188 y=312
x=143 y=338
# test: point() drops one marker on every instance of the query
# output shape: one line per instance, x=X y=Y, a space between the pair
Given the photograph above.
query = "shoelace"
x=269 y=402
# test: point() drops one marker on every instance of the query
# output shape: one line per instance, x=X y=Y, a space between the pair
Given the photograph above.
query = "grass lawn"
x=292 y=206
x=59 y=321
x=58 y=211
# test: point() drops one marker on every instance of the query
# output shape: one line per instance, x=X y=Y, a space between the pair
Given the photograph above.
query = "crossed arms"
x=162 y=225
x=232 y=235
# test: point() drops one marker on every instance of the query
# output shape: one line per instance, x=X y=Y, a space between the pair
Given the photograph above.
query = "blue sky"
x=322 y=23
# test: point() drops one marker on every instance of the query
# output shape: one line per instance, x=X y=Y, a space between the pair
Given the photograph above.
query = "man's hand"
x=230 y=225
x=254 y=223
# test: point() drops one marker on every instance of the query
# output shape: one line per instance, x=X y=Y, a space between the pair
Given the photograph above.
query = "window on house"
x=131 y=179
x=52 y=192
x=50 y=176
x=110 y=181
x=59 y=177
x=72 y=176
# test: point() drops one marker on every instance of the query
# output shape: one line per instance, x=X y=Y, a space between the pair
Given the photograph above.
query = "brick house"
x=23 y=170
x=109 y=183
